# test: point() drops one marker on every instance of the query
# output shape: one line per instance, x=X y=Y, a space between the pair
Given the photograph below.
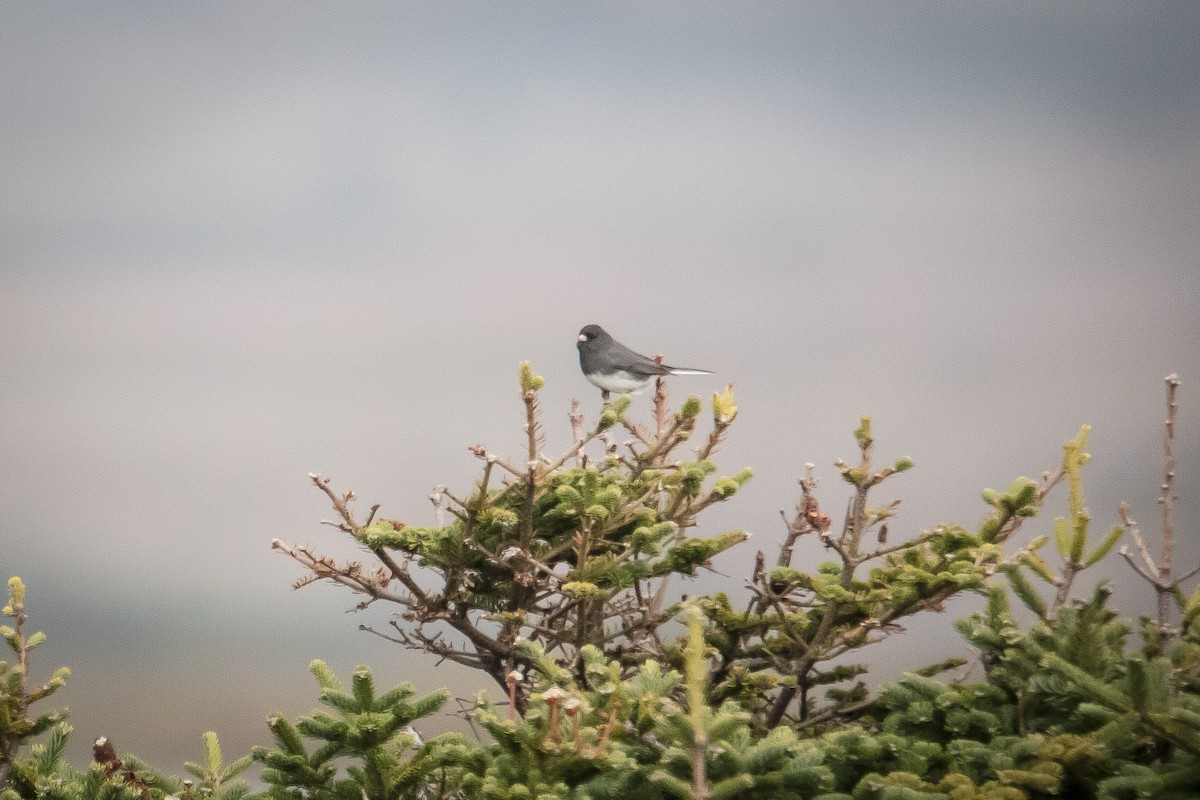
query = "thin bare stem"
x=577 y=437
x=661 y=415
x=1135 y=533
x=1167 y=497
x=1161 y=575
x=1149 y=577
x=340 y=502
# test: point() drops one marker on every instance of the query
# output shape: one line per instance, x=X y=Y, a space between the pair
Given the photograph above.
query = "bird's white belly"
x=620 y=382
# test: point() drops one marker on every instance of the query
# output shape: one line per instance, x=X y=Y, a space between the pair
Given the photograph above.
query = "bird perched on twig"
x=613 y=367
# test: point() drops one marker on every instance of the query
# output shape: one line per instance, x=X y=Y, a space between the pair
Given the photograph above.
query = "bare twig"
x=1135 y=533
x=1161 y=575
x=660 y=403
x=1167 y=497
x=340 y=502
x=576 y=418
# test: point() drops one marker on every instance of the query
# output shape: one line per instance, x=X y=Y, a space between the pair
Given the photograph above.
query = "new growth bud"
x=529 y=381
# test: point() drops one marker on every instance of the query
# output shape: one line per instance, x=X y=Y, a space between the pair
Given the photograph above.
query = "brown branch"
x=637 y=431
x=1167 y=500
x=1189 y=574
x=401 y=574
x=1150 y=578
x=340 y=503
x=418 y=640
x=577 y=437
x=838 y=712
x=663 y=444
x=1160 y=575
x=1065 y=580
x=714 y=438
x=660 y=403
x=576 y=450
x=1134 y=533
x=481 y=452
x=922 y=537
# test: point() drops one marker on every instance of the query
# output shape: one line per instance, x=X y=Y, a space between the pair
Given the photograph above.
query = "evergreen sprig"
x=17 y=695
x=366 y=748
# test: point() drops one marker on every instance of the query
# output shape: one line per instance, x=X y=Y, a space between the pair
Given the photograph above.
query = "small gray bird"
x=615 y=368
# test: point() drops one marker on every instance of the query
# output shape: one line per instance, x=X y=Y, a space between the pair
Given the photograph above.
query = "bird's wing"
x=620 y=357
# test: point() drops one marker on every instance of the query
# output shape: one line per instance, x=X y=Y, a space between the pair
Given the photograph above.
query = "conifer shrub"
x=553 y=575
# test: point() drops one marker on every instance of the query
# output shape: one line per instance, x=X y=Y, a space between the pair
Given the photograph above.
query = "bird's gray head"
x=591 y=333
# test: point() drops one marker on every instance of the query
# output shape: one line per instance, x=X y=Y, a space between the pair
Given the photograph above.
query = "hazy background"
x=241 y=242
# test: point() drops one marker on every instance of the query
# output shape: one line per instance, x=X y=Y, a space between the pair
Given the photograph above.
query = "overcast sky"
x=242 y=242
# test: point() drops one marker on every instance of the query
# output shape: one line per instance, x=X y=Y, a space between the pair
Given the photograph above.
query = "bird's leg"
x=604 y=395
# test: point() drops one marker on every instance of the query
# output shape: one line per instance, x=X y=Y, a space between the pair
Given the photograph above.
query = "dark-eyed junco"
x=615 y=368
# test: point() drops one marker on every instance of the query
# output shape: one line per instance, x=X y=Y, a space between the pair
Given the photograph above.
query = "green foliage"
x=17 y=725
x=45 y=775
x=214 y=772
x=653 y=735
x=364 y=749
x=565 y=551
x=556 y=580
x=1072 y=676
x=1070 y=540
x=779 y=650
x=579 y=551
